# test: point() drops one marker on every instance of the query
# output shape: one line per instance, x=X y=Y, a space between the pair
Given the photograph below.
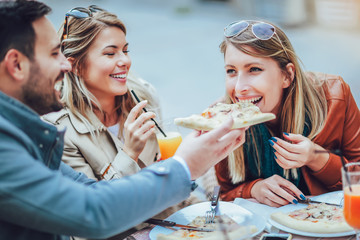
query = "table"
x=144 y=233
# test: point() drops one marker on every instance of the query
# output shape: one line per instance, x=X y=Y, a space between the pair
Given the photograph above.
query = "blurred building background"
x=174 y=44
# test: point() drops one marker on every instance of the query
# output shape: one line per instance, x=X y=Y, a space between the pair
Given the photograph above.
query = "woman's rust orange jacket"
x=341 y=131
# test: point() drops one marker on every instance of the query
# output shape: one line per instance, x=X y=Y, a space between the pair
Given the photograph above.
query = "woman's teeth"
x=58 y=85
x=118 y=75
x=250 y=100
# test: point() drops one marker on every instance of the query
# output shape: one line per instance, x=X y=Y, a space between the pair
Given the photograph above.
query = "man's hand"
x=202 y=151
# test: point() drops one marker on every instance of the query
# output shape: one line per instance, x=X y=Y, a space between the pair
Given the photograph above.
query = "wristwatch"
x=194 y=185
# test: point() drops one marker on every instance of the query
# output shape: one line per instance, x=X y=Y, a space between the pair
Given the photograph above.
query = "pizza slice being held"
x=315 y=218
x=244 y=115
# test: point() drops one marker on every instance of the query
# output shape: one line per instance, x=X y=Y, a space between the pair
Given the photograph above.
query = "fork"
x=210 y=215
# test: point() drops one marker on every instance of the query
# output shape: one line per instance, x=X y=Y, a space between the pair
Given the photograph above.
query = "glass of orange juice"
x=169 y=144
x=351 y=186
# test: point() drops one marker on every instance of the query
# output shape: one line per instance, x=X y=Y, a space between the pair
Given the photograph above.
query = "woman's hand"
x=137 y=130
x=300 y=151
x=276 y=191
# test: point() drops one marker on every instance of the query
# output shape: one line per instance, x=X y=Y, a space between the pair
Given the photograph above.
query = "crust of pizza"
x=244 y=115
x=309 y=226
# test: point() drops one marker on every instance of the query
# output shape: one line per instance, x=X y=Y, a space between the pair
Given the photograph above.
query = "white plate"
x=332 y=197
x=239 y=214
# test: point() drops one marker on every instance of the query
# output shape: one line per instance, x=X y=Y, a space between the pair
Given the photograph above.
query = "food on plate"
x=233 y=230
x=315 y=218
x=244 y=115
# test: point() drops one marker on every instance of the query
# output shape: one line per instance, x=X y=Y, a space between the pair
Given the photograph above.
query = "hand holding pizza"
x=299 y=152
x=137 y=130
x=202 y=150
x=275 y=191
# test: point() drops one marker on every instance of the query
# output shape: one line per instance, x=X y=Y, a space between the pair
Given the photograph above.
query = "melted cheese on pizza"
x=243 y=114
x=319 y=213
x=222 y=111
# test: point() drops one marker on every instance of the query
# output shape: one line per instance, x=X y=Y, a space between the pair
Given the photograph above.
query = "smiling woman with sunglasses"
x=108 y=134
x=277 y=164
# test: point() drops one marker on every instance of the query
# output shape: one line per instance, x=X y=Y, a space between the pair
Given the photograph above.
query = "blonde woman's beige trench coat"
x=101 y=157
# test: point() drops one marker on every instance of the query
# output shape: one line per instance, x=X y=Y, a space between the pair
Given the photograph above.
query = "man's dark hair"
x=16 y=30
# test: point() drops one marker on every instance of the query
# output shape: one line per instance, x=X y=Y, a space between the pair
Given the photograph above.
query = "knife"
x=308 y=201
x=165 y=223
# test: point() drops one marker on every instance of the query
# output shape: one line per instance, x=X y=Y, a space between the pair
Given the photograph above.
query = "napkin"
x=336 y=197
x=259 y=209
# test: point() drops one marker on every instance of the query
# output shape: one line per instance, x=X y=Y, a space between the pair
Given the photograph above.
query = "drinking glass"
x=351 y=187
x=169 y=144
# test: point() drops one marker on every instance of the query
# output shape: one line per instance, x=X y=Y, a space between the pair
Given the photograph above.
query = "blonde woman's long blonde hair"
x=81 y=33
x=304 y=96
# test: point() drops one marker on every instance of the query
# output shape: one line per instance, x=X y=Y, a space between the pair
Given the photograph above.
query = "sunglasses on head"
x=78 y=12
x=261 y=30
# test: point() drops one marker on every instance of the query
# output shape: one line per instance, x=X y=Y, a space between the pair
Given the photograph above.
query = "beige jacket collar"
x=80 y=127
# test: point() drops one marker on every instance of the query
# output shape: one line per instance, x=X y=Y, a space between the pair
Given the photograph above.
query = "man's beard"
x=39 y=93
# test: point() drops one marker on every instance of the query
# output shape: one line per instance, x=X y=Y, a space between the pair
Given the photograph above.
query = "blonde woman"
x=108 y=135
x=289 y=157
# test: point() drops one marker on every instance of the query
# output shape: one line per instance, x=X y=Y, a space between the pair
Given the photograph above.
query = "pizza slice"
x=234 y=231
x=244 y=115
x=315 y=218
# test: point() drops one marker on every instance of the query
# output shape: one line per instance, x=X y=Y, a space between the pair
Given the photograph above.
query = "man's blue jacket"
x=42 y=198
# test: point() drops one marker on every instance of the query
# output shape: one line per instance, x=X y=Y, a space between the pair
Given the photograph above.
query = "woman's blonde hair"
x=304 y=96
x=81 y=33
